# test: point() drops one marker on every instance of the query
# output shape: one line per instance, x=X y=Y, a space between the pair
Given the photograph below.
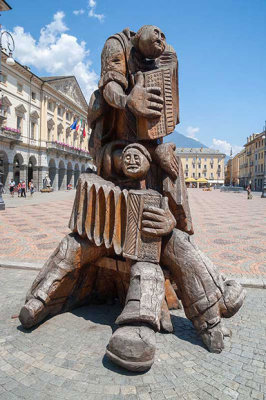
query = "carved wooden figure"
x=131 y=225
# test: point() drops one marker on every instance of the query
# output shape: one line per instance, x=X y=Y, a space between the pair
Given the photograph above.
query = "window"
x=205 y=166
x=186 y=158
x=199 y=159
x=33 y=96
x=50 y=106
x=219 y=174
x=59 y=111
x=186 y=174
x=204 y=174
x=199 y=174
x=67 y=116
x=19 y=87
x=193 y=165
x=205 y=159
x=193 y=175
x=199 y=165
x=186 y=166
x=256 y=156
x=32 y=130
x=19 y=123
x=211 y=175
x=4 y=79
x=255 y=168
x=49 y=134
x=211 y=166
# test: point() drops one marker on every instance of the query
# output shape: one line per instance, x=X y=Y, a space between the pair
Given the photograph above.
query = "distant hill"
x=184 y=141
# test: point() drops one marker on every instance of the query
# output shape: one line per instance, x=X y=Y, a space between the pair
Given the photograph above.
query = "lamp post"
x=8 y=46
x=263 y=194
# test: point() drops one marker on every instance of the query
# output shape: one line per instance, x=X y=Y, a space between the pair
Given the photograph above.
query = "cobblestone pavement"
x=228 y=227
x=64 y=357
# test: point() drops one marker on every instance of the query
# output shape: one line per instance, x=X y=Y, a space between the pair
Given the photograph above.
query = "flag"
x=84 y=132
x=77 y=128
x=74 y=125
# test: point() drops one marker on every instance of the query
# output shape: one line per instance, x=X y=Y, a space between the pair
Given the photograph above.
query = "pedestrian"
x=249 y=192
x=12 y=187
x=19 y=188
x=23 y=189
x=31 y=186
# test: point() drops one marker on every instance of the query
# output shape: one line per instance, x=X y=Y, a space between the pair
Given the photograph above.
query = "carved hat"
x=139 y=147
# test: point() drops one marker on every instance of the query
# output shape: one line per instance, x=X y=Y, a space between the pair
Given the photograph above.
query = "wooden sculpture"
x=131 y=225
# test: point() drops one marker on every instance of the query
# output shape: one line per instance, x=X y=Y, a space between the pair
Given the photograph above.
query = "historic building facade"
x=202 y=163
x=252 y=162
x=35 y=134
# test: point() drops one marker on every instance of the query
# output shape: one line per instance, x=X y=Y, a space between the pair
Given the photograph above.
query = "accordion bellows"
x=109 y=216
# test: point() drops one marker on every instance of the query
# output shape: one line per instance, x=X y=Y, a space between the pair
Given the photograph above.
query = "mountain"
x=184 y=141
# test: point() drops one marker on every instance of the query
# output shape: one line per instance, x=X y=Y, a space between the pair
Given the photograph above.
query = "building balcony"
x=251 y=163
x=248 y=153
x=10 y=135
x=66 y=149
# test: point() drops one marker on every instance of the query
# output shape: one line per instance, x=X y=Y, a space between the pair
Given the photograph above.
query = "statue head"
x=135 y=161
x=150 y=41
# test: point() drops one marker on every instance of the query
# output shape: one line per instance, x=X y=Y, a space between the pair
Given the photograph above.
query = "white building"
x=35 y=134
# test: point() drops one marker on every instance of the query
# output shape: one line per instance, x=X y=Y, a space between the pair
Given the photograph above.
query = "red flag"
x=77 y=127
x=84 y=132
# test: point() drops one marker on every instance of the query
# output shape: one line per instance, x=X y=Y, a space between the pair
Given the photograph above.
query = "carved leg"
x=204 y=292
x=54 y=289
x=133 y=346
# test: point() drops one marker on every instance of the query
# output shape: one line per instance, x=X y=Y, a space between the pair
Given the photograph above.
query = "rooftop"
x=4 y=6
x=201 y=150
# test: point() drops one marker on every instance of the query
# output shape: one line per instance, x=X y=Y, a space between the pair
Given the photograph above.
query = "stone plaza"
x=63 y=358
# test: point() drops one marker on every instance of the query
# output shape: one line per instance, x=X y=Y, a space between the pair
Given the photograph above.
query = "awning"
x=202 y=180
x=190 y=180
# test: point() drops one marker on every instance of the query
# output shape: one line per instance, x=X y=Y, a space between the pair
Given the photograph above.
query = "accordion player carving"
x=149 y=129
x=112 y=217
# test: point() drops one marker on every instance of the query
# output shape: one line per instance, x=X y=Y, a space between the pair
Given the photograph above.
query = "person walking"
x=12 y=185
x=31 y=187
x=19 y=189
x=23 y=189
x=249 y=192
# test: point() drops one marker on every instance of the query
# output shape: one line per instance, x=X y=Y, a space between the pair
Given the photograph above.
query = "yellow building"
x=202 y=163
x=232 y=170
x=35 y=134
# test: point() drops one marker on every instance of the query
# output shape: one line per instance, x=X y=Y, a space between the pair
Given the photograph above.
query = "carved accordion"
x=111 y=217
x=149 y=129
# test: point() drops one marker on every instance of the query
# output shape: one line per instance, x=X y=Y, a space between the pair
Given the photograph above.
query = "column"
x=55 y=181
x=23 y=173
x=40 y=175
x=10 y=174
x=64 y=182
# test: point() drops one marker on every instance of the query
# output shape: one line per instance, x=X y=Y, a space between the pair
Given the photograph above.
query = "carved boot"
x=32 y=313
x=133 y=345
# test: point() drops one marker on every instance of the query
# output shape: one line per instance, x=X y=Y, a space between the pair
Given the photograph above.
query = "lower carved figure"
x=73 y=276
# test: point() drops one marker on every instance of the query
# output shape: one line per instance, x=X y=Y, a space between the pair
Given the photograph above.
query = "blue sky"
x=220 y=45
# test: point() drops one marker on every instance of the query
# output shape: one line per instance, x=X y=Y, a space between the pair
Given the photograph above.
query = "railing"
x=10 y=134
x=67 y=149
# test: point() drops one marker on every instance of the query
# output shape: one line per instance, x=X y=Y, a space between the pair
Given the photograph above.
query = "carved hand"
x=165 y=156
x=144 y=102
x=158 y=221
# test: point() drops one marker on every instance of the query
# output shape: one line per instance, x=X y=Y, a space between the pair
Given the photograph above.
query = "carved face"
x=134 y=164
x=151 y=42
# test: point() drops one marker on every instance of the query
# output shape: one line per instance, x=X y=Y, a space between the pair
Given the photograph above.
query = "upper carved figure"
x=138 y=90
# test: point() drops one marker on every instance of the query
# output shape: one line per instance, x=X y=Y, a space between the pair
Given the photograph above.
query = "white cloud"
x=91 y=6
x=225 y=147
x=79 y=12
x=57 y=53
x=191 y=132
